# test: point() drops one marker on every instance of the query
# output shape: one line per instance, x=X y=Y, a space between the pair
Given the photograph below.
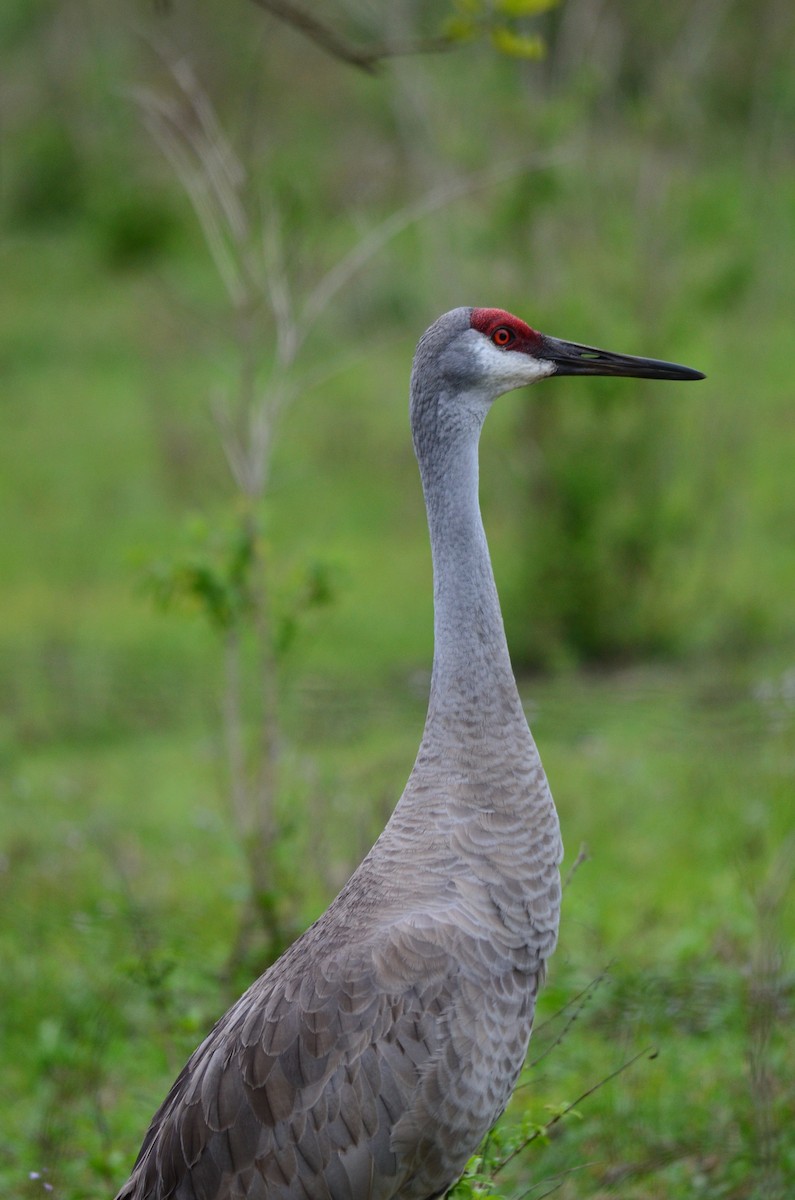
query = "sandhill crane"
x=370 y=1060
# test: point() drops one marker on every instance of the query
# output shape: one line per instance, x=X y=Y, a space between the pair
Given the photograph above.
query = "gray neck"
x=472 y=673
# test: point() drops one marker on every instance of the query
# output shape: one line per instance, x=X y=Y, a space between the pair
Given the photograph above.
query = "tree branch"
x=365 y=58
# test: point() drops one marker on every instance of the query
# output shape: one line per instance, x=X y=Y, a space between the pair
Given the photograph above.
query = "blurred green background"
x=634 y=188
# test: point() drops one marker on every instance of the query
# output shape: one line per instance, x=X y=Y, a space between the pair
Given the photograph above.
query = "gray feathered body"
x=370 y=1060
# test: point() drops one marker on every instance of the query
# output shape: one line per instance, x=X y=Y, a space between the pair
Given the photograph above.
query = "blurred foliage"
x=132 y=232
x=48 y=180
x=213 y=576
x=498 y=21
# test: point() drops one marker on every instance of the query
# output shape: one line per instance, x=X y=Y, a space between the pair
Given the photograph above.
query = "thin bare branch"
x=224 y=170
x=582 y=995
x=234 y=452
x=365 y=58
x=262 y=419
x=648 y=1052
x=167 y=132
x=579 y=1002
x=277 y=284
x=557 y=1180
x=583 y=856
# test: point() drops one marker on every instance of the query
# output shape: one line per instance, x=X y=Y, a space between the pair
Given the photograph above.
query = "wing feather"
x=332 y=1079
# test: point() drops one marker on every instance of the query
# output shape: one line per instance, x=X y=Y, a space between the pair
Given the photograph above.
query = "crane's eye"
x=503 y=336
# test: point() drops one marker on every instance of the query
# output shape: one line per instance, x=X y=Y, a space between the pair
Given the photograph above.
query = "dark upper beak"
x=572 y=359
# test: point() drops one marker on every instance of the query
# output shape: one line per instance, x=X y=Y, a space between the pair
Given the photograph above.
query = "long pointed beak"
x=570 y=358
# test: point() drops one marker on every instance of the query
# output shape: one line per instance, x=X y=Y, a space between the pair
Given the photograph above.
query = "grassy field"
x=121 y=878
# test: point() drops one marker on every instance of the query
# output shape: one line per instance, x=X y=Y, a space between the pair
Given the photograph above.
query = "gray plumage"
x=370 y=1060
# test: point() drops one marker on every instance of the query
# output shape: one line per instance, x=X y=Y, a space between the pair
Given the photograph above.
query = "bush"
x=50 y=186
x=604 y=518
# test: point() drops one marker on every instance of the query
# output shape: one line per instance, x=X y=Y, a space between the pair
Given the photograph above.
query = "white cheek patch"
x=506 y=369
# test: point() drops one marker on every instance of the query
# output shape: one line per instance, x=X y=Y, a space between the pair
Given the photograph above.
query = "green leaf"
x=523 y=8
x=517 y=45
x=460 y=29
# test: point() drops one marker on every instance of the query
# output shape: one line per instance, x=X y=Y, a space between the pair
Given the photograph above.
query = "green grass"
x=127 y=884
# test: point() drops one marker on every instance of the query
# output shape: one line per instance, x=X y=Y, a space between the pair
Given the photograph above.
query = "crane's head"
x=484 y=352
x=509 y=350
x=469 y=356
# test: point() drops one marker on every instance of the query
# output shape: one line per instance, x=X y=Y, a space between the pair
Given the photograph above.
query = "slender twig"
x=543 y=1130
x=224 y=170
x=166 y=131
x=558 y=1180
x=230 y=440
x=277 y=284
x=550 y=1191
x=583 y=997
x=583 y=856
